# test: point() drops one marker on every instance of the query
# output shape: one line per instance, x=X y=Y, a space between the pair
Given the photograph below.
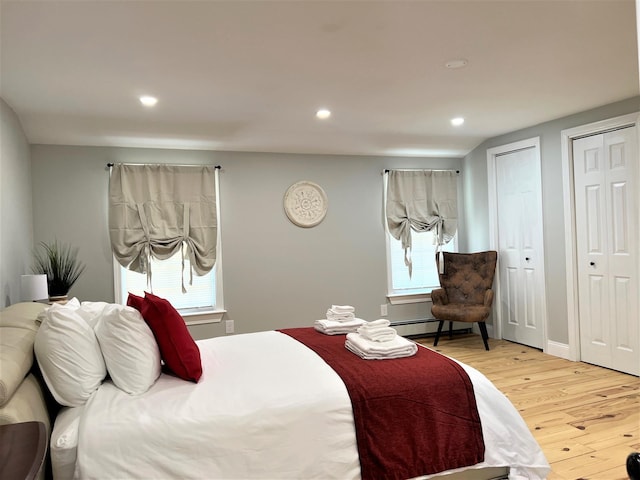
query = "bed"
x=266 y=406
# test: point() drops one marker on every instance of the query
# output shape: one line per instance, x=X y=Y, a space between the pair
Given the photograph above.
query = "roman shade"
x=421 y=200
x=158 y=210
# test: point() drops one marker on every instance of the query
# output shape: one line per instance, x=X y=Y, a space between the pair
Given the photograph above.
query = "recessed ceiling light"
x=456 y=122
x=148 y=100
x=457 y=63
x=323 y=113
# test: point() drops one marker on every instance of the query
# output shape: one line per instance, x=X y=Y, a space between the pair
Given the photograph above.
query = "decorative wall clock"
x=305 y=203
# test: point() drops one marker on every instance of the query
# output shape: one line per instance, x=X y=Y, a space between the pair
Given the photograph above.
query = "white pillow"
x=92 y=312
x=64 y=442
x=72 y=304
x=129 y=348
x=69 y=356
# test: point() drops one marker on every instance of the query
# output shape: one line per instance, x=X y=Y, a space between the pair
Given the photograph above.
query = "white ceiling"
x=249 y=75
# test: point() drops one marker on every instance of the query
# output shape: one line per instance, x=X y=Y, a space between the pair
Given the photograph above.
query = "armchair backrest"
x=467 y=276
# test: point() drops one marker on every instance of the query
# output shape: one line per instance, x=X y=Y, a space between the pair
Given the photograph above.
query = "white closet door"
x=520 y=246
x=606 y=203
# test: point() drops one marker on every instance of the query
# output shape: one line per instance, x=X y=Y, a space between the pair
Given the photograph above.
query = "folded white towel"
x=342 y=309
x=377 y=334
x=378 y=331
x=331 y=327
x=397 y=348
x=381 y=322
x=340 y=317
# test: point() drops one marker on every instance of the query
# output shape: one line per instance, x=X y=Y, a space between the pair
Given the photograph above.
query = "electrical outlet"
x=383 y=310
x=228 y=326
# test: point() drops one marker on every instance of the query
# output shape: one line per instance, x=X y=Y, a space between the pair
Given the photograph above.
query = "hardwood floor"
x=585 y=418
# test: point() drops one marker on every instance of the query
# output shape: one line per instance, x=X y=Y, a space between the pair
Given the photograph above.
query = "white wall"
x=275 y=274
x=476 y=201
x=16 y=220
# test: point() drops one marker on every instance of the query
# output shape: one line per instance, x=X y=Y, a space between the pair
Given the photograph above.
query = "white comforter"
x=266 y=407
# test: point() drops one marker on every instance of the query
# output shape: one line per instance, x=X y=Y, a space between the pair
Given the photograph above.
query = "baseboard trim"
x=557 y=349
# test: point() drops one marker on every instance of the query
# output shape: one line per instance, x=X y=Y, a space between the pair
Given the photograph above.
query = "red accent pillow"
x=178 y=350
x=135 y=301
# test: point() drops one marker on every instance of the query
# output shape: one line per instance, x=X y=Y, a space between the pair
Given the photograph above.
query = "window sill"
x=202 y=316
x=401 y=299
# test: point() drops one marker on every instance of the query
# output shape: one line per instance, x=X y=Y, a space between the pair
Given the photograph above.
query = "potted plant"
x=61 y=265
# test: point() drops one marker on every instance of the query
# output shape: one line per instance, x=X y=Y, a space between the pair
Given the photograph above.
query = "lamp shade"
x=33 y=287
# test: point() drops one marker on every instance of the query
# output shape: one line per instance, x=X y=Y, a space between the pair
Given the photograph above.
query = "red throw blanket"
x=413 y=416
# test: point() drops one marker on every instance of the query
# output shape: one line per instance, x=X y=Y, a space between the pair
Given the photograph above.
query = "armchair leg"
x=450 y=330
x=485 y=335
x=435 y=341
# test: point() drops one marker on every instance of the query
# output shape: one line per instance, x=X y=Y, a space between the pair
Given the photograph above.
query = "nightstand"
x=22 y=450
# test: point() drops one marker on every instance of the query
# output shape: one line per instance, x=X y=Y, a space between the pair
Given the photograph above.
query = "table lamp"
x=34 y=287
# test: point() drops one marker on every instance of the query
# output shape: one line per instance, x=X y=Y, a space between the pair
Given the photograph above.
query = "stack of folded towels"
x=340 y=319
x=341 y=313
x=378 y=341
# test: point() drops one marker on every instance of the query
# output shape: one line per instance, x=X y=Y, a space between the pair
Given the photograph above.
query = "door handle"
x=593 y=264
x=527 y=258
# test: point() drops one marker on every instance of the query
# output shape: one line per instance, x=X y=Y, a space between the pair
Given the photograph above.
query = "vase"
x=58 y=299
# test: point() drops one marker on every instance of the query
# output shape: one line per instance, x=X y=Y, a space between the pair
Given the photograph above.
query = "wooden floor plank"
x=585 y=418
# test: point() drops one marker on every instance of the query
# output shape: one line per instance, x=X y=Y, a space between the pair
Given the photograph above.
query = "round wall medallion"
x=305 y=203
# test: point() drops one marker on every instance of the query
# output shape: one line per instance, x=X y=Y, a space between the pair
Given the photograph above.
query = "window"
x=203 y=301
x=419 y=205
x=201 y=304
x=424 y=278
x=166 y=284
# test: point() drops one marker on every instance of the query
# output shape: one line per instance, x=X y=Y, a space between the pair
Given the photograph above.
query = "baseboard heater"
x=413 y=328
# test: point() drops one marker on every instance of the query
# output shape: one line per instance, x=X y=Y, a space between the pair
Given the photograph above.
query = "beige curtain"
x=158 y=210
x=421 y=200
